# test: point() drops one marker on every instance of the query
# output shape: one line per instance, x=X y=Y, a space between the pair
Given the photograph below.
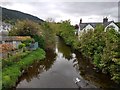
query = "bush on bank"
x=103 y=48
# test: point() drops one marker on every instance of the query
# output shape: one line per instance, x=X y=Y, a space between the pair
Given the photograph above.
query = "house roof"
x=118 y=24
x=83 y=25
x=107 y=23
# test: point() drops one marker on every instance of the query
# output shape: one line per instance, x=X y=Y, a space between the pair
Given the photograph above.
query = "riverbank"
x=10 y=74
x=102 y=48
x=61 y=66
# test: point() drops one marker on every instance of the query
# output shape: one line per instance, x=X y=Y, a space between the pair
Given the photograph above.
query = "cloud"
x=89 y=11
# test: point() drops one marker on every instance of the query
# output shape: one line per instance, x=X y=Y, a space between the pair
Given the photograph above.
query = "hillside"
x=11 y=16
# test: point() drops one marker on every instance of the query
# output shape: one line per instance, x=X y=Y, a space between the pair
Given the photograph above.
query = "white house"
x=87 y=26
x=112 y=24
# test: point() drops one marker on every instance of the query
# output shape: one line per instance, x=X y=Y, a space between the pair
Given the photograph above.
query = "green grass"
x=13 y=59
x=11 y=73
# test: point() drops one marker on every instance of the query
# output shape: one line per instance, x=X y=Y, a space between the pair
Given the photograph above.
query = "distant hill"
x=11 y=16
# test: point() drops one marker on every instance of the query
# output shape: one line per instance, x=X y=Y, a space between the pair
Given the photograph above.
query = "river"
x=60 y=69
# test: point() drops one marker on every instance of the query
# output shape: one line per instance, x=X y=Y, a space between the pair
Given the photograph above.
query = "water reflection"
x=38 y=67
x=56 y=71
x=85 y=68
x=67 y=52
x=60 y=68
x=97 y=78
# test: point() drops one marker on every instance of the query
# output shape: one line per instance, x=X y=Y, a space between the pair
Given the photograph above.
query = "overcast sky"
x=89 y=11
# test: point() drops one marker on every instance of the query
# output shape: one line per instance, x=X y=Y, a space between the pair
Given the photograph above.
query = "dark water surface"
x=59 y=70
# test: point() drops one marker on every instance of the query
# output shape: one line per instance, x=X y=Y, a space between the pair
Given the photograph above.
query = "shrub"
x=27 y=42
x=21 y=46
x=40 y=40
x=103 y=48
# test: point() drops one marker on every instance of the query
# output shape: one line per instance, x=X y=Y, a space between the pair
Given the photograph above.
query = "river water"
x=60 y=69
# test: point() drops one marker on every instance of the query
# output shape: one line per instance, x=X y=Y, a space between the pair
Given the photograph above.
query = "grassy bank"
x=11 y=73
x=6 y=62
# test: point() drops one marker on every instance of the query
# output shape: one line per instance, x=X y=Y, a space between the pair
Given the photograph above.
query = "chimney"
x=105 y=20
x=80 y=20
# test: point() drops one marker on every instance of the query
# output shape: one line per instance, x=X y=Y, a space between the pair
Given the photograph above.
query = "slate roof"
x=83 y=25
x=118 y=24
x=107 y=23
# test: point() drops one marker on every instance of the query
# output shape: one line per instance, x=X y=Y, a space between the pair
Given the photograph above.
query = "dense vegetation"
x=67 y=32
x=49 y=35
x=11 y=16
x=101 y=47
x=13 y=70
x=13 y=65
x=43 y=34
x=28 y=28
x=9 y=61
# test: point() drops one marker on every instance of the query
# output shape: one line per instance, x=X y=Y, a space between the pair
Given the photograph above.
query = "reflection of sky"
x=60 y=75
x=62 y=55
x=56 y=49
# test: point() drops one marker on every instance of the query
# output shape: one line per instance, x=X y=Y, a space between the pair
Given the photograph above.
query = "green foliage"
x=40 y=40
x=103 y=48
x=25 y=28
x=40 y=33
x=27 y=42
x=10 y=76
x=11 y=73
x=66 y=31
x=49 y=35
x=20 y=46
x=96 y=59
x=12 y=59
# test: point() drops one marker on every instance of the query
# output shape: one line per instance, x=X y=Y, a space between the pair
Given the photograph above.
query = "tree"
x=25 y=28
x=103 y=49
x=49 y=35
x=28 y=28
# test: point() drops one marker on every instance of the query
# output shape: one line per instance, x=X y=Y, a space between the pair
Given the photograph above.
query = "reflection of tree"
x=86 y=71
x=32 y=71
x=49 y=60
x=64 y=49
x=39 y=67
